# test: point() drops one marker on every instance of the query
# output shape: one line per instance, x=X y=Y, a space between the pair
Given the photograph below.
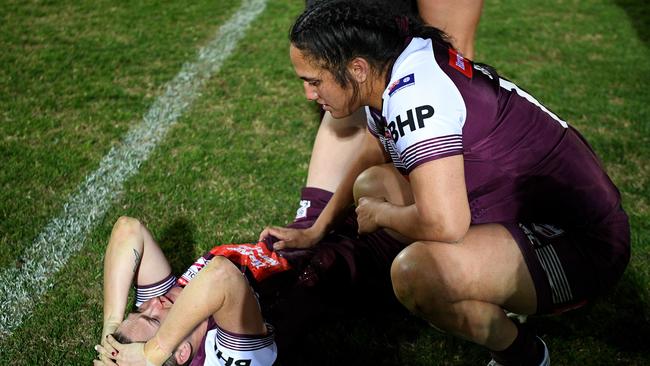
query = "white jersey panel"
x=423 y=109
x=226 y=349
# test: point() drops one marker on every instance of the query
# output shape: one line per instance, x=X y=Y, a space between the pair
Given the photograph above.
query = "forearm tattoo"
x=138 y=258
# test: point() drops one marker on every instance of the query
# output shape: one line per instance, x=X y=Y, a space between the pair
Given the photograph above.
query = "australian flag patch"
x=401 y=84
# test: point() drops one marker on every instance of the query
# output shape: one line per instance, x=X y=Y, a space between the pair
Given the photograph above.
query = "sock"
x=525 y=350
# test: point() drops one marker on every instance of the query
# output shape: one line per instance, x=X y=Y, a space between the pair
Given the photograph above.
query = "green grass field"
x=75 y=76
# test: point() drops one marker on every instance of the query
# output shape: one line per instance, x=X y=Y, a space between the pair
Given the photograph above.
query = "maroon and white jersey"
x=222 y=348
x=522 y=162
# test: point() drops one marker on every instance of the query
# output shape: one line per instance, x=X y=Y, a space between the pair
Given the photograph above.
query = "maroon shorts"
x=572 y=266
x=343 y=271
x=366 y=258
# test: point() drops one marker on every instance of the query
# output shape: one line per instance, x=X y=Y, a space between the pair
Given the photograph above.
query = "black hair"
x=333 y=33
x=121 y=338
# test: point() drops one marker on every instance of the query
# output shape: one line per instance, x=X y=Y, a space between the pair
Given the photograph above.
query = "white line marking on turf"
x=21 y=287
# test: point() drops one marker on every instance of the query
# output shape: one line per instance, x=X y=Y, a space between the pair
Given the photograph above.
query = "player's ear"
x=183 y=352
x=359 y=68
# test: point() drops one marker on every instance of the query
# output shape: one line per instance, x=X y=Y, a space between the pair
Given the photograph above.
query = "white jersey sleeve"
x=423 y=109
x=223 y=348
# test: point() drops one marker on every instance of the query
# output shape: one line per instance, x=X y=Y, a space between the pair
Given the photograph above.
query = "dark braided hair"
x=333 y=33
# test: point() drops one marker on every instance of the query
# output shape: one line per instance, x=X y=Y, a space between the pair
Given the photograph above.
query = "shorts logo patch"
x=460 y=63
x=401 y=84
x=547 y=230
x=302 y=210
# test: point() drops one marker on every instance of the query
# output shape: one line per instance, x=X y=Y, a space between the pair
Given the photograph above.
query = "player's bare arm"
x=131 y=251
x=440 y=211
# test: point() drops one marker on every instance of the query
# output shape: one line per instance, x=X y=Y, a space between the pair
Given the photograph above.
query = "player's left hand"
x=292 y=238
x=367 y=210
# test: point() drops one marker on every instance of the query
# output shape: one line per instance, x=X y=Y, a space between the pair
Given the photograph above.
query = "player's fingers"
x=107 y=346
x=264 y=233
x=104 y=361
x=281 y=233
x=278 y=232
x=117 y=346
x=279 y=245
x=104 y=354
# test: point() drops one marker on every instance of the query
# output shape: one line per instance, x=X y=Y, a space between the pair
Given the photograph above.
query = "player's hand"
x=109 y=328
x=367 y=210
x=291 y=238
x=104 y=362
x=131 y=354
x=105 y=354
x=103 y=357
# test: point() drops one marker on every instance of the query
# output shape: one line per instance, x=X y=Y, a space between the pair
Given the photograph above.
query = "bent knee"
x=367 y=184
x=408 y=270
x=419 y=275
x=224 y=273
x=382 y=181
x=126 y=225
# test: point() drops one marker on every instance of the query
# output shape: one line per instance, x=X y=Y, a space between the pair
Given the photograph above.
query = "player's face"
x=321 y=86
x=143 y=324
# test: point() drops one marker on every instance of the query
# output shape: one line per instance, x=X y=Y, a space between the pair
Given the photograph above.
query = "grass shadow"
x=387 y=334
x=639 y=13
x=178 y=243
x=364 y=329
x=620 y=321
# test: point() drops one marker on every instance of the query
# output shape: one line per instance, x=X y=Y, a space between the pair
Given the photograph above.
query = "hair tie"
x=402 y=22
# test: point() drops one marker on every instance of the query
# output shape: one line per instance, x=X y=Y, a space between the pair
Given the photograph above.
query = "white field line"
x=20 y=288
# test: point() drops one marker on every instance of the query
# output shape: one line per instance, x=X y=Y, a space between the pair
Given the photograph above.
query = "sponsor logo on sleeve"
x=192 y=271
x=402 y=83
x=398 y=127
x=460 y=63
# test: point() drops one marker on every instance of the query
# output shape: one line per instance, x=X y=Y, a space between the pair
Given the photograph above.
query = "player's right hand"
x=109 y=327
x=291 y=238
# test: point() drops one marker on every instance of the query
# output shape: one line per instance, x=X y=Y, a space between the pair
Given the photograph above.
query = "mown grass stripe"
x=64 y=235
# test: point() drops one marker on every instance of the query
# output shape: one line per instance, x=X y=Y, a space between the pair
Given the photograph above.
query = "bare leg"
x=336 y=144
x=384 y=181
x=458 y=18
x=461 y=288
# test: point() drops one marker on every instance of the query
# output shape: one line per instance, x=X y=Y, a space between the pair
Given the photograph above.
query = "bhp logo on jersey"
x=397 y=128
x=231 y=361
